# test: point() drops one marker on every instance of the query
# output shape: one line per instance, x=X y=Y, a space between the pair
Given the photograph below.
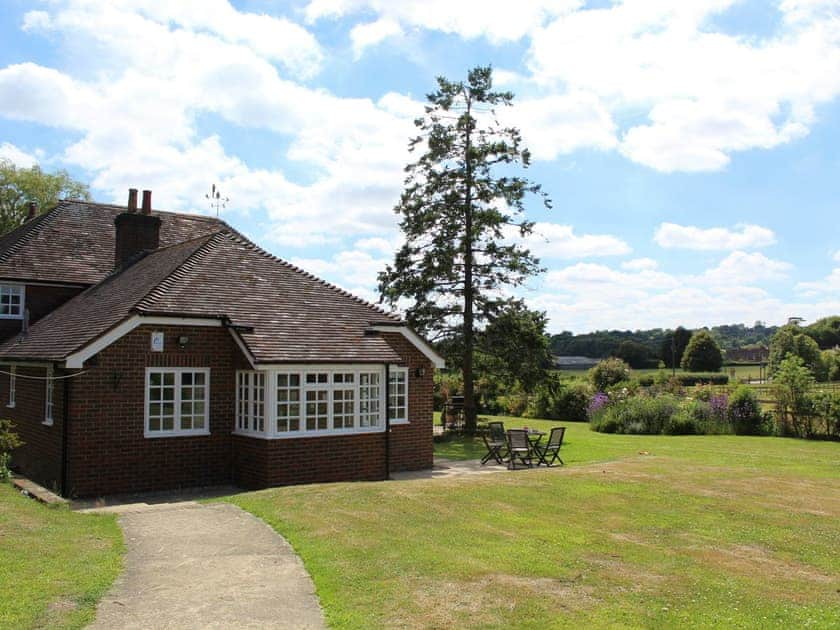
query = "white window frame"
x=392 y=372
x=271 y=400
x=9 y=288
x=177 y=431
x=247 y=381
x=12 y=386
x=49 y=398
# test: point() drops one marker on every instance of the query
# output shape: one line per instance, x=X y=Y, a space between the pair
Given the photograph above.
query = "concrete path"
x=448 y=468
x=191 y=565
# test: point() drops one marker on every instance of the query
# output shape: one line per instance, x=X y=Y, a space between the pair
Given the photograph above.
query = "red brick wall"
x=411 y=444
x=261 y=463
x=40 y=456
x=108 y=452
x=40 y=300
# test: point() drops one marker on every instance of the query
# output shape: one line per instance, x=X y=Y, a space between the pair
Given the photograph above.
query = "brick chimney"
x=32 y=210
x=136 y=232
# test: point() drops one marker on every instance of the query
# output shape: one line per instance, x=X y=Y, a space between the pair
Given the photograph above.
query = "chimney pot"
x=33 y=210
x=132 y=200
x=147 y=202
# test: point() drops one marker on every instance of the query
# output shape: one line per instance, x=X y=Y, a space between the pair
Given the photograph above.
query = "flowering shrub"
x=745 y=412
x=598 y=402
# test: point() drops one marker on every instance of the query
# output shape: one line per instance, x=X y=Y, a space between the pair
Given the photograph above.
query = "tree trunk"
x=470 y=419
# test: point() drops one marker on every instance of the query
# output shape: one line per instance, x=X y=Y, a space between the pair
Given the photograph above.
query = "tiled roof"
x=74 y=242
x=99 y=308
x=286 y=314
x=295 y=316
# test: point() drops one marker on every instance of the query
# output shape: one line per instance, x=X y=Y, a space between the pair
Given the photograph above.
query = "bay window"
x=299 y=401
x=177 y=401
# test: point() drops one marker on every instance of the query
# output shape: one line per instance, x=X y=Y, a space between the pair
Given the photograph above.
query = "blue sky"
x=690 y=148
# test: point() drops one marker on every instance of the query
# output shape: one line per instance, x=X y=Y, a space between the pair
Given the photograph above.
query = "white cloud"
x=706 y=94
x=553 y=240
x=17 y=156
x=366 y=35
x=586 y=296
x=134 y=108
x=497 y=21
x=673 y=236
x=830 y=285
x=563 y=123
x=742 y=268
x=837 y=256
x=273 y=38
x=640 y=264
x=350 y=268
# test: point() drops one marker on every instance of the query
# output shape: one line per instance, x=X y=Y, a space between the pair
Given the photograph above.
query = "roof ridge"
x=154 y=210
x=344 y=292
x=42 y=219
x=179 y=271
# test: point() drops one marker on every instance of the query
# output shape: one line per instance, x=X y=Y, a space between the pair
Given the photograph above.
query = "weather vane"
x=216 y=200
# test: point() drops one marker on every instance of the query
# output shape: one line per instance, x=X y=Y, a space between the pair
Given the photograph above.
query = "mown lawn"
x=54 y=564
x=701 y=531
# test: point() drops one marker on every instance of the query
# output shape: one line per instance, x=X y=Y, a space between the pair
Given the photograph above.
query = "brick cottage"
x=147 y=350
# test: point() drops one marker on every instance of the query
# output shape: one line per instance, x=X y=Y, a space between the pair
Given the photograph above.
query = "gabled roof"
x=98 y=308
x=282 y=313
x=74 y=242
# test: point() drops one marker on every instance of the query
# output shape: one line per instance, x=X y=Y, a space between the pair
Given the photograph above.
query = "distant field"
x=741 y=371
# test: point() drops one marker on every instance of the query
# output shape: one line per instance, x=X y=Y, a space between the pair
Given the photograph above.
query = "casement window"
x=306 y=401
x=49 y=388
x=288 y=403
x=398 y=394
x=250 y=402
x=177 y=401
x=344 y=401
x=11 y=301
x=369 y=399
x=12 y=386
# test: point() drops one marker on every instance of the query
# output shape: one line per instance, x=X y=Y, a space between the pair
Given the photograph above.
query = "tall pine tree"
x=461 y=204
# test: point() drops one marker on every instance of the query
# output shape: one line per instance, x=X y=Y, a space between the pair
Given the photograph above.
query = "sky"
x=690 y=148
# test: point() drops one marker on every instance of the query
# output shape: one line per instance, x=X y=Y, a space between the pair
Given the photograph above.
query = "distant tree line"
x=647 y=348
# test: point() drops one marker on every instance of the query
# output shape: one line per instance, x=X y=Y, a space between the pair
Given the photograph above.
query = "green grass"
x=54 y=564
x=637 y=531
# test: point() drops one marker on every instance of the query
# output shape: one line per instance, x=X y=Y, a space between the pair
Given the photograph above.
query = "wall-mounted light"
x=183 y=340
x=420 y=372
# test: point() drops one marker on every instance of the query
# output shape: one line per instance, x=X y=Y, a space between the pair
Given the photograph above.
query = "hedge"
x=688 y=379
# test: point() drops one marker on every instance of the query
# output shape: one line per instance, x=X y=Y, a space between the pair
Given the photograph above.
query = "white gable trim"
x=243 y=346
x=417 y=341
x=77 y=359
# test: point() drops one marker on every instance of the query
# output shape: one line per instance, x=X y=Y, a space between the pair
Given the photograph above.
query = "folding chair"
x=519 y=448
x=495 y=442
x=552 y=447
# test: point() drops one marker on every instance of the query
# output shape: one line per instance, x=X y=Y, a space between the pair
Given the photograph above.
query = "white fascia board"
x=243 y=346
x=417 y=341
x=76 y=360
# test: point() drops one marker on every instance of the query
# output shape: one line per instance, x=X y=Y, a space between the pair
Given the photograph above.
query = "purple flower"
x=598 y=402
x=719 y=405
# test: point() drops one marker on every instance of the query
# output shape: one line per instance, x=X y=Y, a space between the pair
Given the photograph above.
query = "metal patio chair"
x=552 y=447
x=519 y=448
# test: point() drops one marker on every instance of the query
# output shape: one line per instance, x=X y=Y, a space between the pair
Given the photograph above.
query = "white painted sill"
x=174 y=434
